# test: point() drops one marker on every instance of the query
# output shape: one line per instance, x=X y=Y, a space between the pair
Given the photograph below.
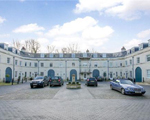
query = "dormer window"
x=61 y=55
x=42 y=55
x=95 y=55
x=73 y=55
x=51 y=55
x=84 y=54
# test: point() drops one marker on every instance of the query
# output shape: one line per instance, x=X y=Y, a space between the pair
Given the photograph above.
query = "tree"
x=17 y=44
x=32 y=46
x=50 y=48
x=73 y=48
x=64 y=50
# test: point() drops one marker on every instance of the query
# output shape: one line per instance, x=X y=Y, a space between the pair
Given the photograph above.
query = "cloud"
x=124 y=9
x=132 y=43
x=144 y=34
x=84 y=31
x=22 y=0
x=28 y=28
x=2 y=19
x=4 y=35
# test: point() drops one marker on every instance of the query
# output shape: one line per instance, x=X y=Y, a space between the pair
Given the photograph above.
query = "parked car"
x=91 y=81
x=40 y=81
x=56 y=80
x=126 y=87
x=99 y=78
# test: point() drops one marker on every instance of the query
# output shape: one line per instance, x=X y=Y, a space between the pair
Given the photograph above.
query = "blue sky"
x=97 y=25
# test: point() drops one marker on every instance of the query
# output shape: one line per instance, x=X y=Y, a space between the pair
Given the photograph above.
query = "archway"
x=95 y=73
x=51 y=73
x=8 y=74
x=138 y=74
x=73 y=72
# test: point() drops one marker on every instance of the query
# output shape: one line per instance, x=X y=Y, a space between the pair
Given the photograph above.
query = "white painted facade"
x=114 y=67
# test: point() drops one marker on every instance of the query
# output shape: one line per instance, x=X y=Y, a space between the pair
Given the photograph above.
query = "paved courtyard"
x=20 y=102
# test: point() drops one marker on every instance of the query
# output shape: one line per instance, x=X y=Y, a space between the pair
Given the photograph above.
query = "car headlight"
x=130 y=89
x=142 y=89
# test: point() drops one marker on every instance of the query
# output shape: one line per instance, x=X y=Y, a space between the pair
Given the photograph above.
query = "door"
x=8 y=74
x=138 y=74
x=73 y=78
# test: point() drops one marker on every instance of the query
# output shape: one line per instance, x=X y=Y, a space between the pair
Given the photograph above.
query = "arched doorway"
x=138 y=74
x=95 y=73
x=51 y=73
x=73 y=73
x=8 y=74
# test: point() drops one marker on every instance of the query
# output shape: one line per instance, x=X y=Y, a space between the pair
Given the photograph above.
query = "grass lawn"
x=3 y=83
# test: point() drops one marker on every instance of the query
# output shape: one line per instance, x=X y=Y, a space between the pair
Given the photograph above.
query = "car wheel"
x=47 y=84
x=31 y=86
x=43 y=85
x=122 y=91
x=111 y=87
x=50 y=85
x=96 y=85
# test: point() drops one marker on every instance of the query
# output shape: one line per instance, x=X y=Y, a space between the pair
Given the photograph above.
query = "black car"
x=40 y=81
x=56 y=80
x=91 y=81
x=99 y=78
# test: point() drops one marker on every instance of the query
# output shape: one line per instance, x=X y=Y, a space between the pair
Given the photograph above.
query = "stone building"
x=132 y=63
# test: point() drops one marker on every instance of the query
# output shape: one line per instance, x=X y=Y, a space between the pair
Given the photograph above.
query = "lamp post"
x=108 y=67
x=13 y=70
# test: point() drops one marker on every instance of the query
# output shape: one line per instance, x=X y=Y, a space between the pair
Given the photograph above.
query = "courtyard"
x=20 y=102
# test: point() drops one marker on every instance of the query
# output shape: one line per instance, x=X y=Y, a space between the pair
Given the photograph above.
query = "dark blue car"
x=126 y=87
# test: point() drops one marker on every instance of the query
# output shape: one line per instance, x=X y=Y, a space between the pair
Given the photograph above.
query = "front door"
x=73 y=78
x=84 y=76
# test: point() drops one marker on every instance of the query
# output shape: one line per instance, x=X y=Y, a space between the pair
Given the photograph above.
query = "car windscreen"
x=126 y=82
x=39 y=77
x=92 y=79
x=54 y=78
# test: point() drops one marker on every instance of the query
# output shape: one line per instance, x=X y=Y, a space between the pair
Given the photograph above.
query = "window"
x=51 y=64
x=73 y=64
x=104 y=64
x=35 y=64
x=15 y=73
x=61 y=55
x=120 y=64
x=42 y=55
x=148 y=73
x=30 y=74
x=110 y=64
x=116 y=74
x=16 y=61
x=25 y=63
x=84 y=64
x=30 y=64
x=130 y=74
x=42 y=73
x=120 y=74
x=95 y=65
x=20 y=63
x=73 y=55
x=61 y=65
x=148 y=57
x=126 y=63
x=130 y=62
x=95 y=55
x=8 y=60
x=42 y=64
x=84 y=54
x=104 y=55
x=51 y=55
x=138 y=60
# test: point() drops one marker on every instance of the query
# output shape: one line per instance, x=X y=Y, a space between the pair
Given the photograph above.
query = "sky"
x=103 y=26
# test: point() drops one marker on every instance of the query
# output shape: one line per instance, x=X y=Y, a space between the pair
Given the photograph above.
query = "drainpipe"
x=38 y=68
x=108 y=68
x=133 y=68
x=13 y=69
x=66 y=69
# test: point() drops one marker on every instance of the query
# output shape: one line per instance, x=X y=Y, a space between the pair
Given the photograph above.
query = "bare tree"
x=73 y=48
x=32 y=46
x=17 y=44
x=56 y=51
x=50 y=48
x=64 y=50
